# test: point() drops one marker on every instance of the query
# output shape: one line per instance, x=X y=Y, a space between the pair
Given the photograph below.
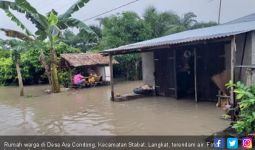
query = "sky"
x=206 y=10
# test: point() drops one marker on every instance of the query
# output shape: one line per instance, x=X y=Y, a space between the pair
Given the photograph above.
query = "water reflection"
x=90 y=112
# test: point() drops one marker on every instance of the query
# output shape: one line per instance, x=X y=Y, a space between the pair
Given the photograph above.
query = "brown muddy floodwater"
x=90 y=112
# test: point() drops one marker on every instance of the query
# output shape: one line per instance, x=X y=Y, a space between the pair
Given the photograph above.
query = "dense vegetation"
x=49 y=28
x=128 y=27
x=245 y=95
x=32 y=69
x=114 y=31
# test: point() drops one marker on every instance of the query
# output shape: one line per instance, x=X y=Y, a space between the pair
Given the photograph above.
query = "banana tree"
x=53 y=34
x=46 y=25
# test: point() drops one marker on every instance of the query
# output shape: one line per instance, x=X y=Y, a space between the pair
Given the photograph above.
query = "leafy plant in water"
x=245 y=95
x=64 y=78
x=7 y=71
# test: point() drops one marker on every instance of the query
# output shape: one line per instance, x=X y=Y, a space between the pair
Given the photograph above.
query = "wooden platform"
x=101 y=83
x=128 y=97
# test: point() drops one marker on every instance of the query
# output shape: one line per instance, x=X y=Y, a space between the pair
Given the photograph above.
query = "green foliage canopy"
x=245 y=96
x=31 y=68
x=84 y=41
x=128 y=27
x=123 y=29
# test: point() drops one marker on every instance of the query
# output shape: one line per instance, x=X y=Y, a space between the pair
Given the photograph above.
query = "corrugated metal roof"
x=219 y=31
x=86 y=59
x=248 y=18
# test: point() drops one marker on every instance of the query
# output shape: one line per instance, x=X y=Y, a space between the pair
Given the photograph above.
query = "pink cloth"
x=77 y=78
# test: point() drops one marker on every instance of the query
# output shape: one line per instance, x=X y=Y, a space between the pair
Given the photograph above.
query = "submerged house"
x=85 y=62
x=196 y=64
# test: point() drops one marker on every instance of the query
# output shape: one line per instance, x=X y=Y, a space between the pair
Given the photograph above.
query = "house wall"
x=248 y=55
x=248 y=58
x=104 y=71
x=252 y=47
x=148 y=68
x=241 y=52
x=253 y=52
x=107 y=73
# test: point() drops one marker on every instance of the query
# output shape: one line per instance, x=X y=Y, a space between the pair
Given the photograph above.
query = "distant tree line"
x=129 y=27
x=49 y=28
x=114 y=31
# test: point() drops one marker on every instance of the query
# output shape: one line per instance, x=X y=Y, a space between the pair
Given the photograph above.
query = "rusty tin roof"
x=86 y=59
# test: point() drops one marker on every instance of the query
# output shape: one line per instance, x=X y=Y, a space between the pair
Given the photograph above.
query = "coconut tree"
x=48 y=27
x=186 y=22
x=159 y=22
x=165 y=23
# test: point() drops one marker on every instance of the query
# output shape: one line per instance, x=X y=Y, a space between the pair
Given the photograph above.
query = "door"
x=210 y=61
x=185 y=72
x=165 y=72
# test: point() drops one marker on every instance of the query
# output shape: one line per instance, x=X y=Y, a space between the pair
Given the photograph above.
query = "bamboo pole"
x=232 y=71
x=111 y=77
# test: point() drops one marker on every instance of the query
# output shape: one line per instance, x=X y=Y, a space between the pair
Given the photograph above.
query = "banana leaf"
x=16 y=34
x=18 y=22
x=31 y=14
x=75 y=7
x=74 y=23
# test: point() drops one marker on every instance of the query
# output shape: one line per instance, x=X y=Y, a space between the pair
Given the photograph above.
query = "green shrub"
x=245 y=95
x=7 y=71
x=4 y=53
x=129 y=67
x=64 y=78
x=31 y=68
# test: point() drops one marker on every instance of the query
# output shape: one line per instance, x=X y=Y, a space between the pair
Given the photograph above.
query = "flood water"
x=90 y=112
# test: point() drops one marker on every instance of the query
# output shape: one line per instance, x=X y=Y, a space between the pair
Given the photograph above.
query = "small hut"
x=87 y=62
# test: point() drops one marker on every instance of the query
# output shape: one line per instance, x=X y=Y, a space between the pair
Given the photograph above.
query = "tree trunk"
x=21 y=87
x=54 y=72
x=46 y=66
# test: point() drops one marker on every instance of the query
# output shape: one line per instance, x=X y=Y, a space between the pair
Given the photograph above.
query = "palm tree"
x=184 y=23
x=159 y=23
x=188 y=20
x=48 y=27
x=168 y=22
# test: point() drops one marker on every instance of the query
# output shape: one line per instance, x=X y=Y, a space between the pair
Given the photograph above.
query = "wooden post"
x=70 y=76
x=232 y=71
x=70 y=73
x=111 y=77
x=195 y=74
x=21 y=86
x=249 y=77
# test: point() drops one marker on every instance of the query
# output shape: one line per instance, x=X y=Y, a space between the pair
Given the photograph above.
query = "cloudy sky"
x=206 y=10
